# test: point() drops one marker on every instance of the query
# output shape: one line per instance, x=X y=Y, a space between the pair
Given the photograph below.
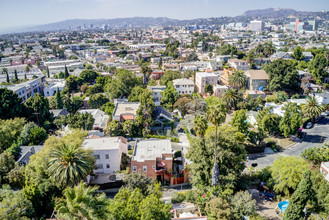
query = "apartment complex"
x=203 y=78
x=183 y=86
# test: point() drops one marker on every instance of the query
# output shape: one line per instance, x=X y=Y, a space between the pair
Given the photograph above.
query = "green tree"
x=59 y=102
x=282 y=75
x=291 y=120
x=10 y=104
x=38 y=108
x=209 y=89
x=127 y=127
x=108 y=108
x=9 y=132
x=7 y=163
x=4 y=70
x=88 y=76
x=69 y=164
x=72 y=83
x=268 y=122
x=122 y=84
x=181 y=105
x=140 y=181
x=32 y=134
x=287 y=172
x=129 y=204
x=298 y=200
x=231 y=97
x=230 y=158
x=218 y=208
x=16 y=77
x=243 y=205
x=169 y=97
x=238 y=79
x=66 y=73
x=312 y=109
x=317 y=154
x=216 y=115
x=318 y=66
x=114 y=128
x=82 y=202
x=48 y=74
x=97 y=100
x=239 y=121
x=40 y=187
x=13 y=205
x=144 y=112
x=135 y=93
x=200 y=126
x=298 y=53
x=76 y=121
x=169 y=76
x=7 y=78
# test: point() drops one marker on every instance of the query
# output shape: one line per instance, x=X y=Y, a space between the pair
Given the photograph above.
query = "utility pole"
x=37 y=113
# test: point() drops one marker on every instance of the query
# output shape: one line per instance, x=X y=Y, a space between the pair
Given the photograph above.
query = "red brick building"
x=156 y=159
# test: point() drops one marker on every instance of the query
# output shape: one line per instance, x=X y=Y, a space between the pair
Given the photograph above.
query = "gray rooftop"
x=26 y=152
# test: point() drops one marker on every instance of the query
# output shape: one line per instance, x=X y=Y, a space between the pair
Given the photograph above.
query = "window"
x=107 y=156
x=99 y=166
x=96 y=157
x=107 y=166
x=144 y=168
x=134 y=168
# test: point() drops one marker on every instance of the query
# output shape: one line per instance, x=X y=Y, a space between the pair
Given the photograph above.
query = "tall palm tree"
x=70 y=164
x=237 y=79
x=312 y=108
x=231 y=98
x=216 y=115
x=200 y=126
x=82 y=202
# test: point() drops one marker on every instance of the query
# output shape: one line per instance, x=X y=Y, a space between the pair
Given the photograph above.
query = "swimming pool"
x=283 y=205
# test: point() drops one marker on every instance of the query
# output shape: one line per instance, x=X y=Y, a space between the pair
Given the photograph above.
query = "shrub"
x=178 y=198
x=174 y=139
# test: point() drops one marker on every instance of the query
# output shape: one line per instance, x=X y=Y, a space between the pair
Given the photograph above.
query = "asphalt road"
x=314 y=137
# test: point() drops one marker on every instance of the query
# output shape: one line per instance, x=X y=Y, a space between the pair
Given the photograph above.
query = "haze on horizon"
x=17 y=13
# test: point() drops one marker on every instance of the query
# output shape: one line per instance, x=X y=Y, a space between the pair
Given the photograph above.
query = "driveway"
x=314 y=137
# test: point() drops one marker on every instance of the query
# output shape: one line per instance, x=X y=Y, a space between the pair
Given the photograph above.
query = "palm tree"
x=70 y=164
x=82 y=202
x=238 y=79
x=231 y=98
x=216 y=115
x=200 y=126
x=312 y=108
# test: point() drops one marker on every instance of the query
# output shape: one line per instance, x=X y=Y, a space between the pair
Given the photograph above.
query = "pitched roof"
x=257 y=74
x=159 y=111
x=26 y=152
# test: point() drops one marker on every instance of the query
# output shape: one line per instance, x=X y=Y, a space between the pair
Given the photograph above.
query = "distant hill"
x=275 y=12
x=117 y=22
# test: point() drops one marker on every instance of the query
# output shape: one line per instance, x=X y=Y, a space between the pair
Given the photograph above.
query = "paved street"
x=314 y=137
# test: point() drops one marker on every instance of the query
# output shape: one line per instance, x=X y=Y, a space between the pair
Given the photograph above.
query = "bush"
x=178 y=198
x=174 y=139
x=156 y=136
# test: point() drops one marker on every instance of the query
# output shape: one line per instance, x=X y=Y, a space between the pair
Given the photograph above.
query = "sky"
x=16 y=13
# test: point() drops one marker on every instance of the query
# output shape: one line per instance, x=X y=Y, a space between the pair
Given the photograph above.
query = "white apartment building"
x=27 y=89
x=183 y=86
x=203 y=78
x=257 y=26
x=107 y=152
x=324 y=169
x=239 y=64
x=57 y=66
x=52 y=88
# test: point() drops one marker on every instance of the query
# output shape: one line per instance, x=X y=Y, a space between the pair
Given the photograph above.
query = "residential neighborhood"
x=158 y=118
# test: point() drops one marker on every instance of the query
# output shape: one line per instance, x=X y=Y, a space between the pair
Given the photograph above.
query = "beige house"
x=256 y=79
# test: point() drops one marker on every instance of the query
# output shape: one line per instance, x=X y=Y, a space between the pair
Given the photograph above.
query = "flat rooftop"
x=126 y=108
x=151 y=149
x=104 y=143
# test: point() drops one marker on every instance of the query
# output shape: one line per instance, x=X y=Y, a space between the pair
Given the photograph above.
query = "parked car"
x=319 y=118
x=309 y=125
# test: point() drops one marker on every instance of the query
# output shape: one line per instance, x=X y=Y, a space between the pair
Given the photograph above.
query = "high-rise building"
x=257 y=26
